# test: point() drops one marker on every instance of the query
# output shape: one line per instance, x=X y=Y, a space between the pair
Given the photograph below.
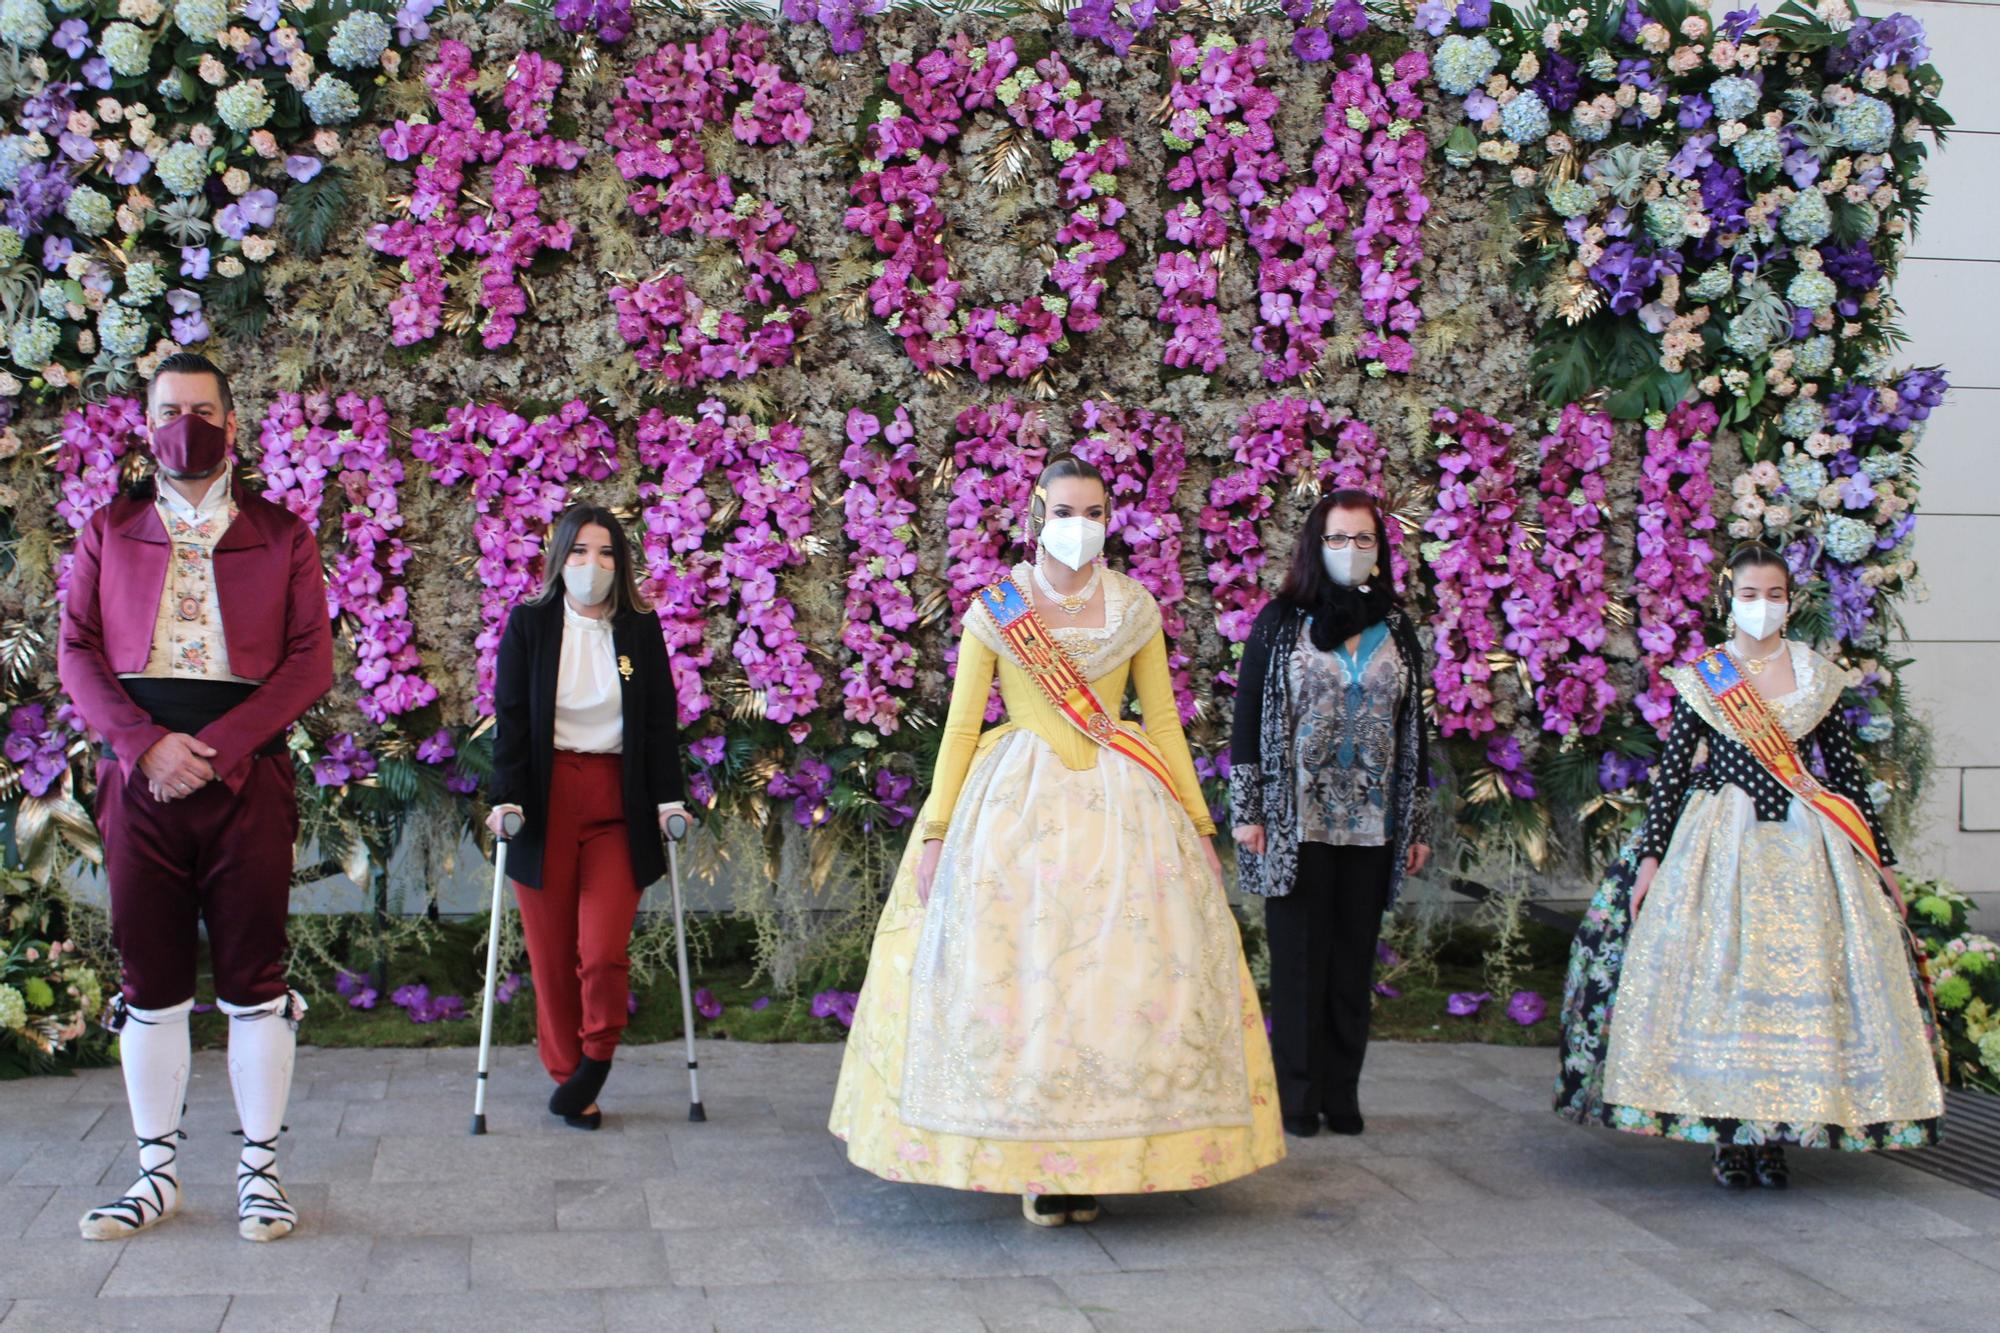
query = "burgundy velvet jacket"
x=274 y=620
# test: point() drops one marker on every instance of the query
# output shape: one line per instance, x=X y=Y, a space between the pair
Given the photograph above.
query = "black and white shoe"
x=153 y=1198
x=262 y=1210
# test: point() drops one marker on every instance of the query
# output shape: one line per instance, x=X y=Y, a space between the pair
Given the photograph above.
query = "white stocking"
x=262 y=1040
x=155 y=1052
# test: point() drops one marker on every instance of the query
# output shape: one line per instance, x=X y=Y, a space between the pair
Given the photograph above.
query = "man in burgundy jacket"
x=194 y=634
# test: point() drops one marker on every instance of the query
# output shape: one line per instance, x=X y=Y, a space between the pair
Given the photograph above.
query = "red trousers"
x=207 y=858
x=579 y=923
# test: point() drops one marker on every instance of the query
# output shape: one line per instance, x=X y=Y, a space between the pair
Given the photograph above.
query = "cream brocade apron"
x=1766 y=976
x=1072 y=1013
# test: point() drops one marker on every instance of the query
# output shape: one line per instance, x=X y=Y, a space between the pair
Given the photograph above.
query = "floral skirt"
x=1765 y=994
x=1072 y=1013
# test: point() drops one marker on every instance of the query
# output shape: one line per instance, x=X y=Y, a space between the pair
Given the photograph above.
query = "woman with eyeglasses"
x=1743 y=978
x=1329 y=792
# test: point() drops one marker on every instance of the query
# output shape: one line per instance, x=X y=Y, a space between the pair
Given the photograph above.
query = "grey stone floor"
x=1466 y=1203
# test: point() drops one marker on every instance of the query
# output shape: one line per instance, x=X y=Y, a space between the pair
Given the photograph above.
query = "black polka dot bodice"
x=1731 y=764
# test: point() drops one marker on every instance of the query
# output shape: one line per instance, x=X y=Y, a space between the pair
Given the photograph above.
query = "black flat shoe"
x=581 y=1088
x=1344 y=1122
x=1772 y=1171
x=1302 y=1126
x=588 y=1120
x=1732 y=1166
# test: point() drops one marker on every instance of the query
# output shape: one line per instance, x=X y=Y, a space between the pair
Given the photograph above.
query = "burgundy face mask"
x=190 y=446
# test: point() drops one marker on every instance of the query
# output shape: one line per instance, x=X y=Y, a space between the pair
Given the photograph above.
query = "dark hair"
x=1061 y=466
x=1306 y=579
x=191 y=363
x=1756 y=555
x=625 y=594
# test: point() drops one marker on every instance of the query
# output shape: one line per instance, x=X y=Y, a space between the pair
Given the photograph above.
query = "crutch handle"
x=510 y=825
x=677 y=826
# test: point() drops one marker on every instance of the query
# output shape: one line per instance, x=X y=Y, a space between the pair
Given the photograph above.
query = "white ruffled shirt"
x=590 y=708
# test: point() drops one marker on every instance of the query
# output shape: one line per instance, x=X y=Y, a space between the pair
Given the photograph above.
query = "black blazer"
x=524 y=731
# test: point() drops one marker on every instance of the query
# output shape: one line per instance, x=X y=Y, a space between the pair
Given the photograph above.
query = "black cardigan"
x=1730 y=764
x=524 y=714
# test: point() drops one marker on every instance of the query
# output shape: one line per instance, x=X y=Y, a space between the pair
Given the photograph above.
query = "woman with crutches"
x=587 y=751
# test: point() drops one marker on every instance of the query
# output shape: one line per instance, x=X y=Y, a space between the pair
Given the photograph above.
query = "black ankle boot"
x=581 y=1089
x=1301 y=1126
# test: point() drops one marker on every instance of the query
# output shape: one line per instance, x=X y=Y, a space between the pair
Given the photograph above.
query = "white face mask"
x=589 y=583
x=1073 y=540
x=1347 y=566
x=1758 y=620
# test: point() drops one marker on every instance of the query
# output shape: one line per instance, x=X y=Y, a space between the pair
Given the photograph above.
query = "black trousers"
x=1323 y=937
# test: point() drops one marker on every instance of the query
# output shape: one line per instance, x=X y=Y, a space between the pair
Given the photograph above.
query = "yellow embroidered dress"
x=1072 y=1013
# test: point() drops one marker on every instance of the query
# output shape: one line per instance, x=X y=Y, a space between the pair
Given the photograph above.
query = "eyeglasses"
x=1363 y=541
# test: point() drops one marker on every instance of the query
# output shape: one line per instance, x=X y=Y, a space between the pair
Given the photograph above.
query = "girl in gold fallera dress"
x=1743 y=978
x=1057 y=1004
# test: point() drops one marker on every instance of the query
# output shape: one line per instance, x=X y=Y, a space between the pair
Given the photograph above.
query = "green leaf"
x=312 y=210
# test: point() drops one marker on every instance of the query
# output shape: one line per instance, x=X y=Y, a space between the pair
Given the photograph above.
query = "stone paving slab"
x=1465 y=1205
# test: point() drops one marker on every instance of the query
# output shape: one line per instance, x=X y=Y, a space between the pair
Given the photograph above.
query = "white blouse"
x=590 y=708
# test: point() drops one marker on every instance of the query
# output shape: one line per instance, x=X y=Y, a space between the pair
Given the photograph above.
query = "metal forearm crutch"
x=510 y=824
x=676 y=829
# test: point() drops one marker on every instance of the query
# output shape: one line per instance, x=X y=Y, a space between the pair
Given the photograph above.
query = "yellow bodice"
x=1028 y=708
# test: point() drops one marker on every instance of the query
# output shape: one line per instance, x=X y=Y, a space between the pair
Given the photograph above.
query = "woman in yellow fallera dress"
x=1057 y=1004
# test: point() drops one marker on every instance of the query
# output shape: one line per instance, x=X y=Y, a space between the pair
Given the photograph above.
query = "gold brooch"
x=624 y=666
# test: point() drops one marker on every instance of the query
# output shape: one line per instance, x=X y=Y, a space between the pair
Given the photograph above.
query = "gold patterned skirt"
x=1767 y=981
x=1072 y=1013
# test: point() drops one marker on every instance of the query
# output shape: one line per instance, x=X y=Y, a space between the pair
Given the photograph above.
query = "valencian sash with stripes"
x=1036 y=652
x=1758 y=728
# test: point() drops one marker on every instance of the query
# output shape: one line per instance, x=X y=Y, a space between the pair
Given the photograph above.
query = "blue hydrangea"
x=1463 y=63
x=1666 y=218
x=1808 y=220
x=127 y=48
x=1734 y=98
x=54 y=299
x=1815 y=356
x=201 y=20
x=1848 y=539
x=14 y=155
x=1748 y=337
x=1803 y=475
x=359 y=40
x=88 y=211
x=1571 y=198
x=1592 y=131
x=243 y=106
x=1602 y=66
x=144 y=283
x=1526 y=118
x=11 y=245
x=331 y=101
x=1802 y=417
x=183 y=169
x=122 y=331
x=1883 y=466
x=1759 y=150
x=1713 y=284
x=33 y=342
x=1878 y=728
x=71 y=6
x=1867 y=126
x=1812 y=289
x=24 y=23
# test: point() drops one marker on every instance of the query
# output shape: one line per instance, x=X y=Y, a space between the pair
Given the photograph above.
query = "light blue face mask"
x=587 y=584
x=1347 y=566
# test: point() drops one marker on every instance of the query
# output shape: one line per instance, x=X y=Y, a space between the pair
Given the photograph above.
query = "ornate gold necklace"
x=1755 y=665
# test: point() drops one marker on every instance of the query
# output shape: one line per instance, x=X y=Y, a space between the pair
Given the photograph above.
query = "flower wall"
x=1585 y=297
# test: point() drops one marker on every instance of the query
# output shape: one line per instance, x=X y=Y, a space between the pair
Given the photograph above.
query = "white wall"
x=1950 y=291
